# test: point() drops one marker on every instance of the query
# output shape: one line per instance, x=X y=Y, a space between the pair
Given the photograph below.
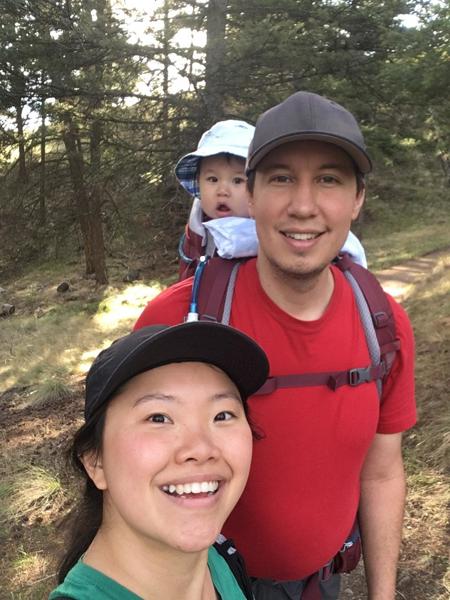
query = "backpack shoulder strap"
x=376 y=313
x=215 y=293
x=236 y=564
x=214 y=297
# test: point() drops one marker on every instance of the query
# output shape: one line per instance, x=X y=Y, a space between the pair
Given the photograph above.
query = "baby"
x=219 y=222
x=214 y=175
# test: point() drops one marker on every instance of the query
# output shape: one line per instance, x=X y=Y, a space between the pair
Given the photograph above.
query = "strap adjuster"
x=357 y=376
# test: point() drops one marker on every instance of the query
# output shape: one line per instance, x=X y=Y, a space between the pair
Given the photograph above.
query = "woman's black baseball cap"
x=232 y=351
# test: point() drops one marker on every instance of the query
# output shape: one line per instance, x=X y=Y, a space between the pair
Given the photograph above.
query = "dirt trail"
x=399 y=281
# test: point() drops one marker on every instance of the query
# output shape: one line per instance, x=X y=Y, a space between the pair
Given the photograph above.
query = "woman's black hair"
x=86 y=517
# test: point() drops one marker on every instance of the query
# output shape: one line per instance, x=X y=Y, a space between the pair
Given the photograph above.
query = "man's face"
x=304 y=200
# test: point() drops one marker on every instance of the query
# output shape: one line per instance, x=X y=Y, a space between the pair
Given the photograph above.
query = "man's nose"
x=303 y=200
x=197 y=444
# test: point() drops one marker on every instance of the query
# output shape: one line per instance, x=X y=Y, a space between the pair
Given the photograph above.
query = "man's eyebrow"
x=328 y=165
x=270 y=167
x=336 y=165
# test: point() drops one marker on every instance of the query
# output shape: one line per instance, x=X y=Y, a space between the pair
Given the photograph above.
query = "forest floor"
x=37 y=489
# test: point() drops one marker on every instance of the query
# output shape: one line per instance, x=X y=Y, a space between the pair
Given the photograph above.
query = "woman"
x=165 y=450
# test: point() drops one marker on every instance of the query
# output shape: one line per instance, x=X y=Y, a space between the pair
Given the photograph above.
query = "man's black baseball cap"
x=307 y=116
x=232 y=351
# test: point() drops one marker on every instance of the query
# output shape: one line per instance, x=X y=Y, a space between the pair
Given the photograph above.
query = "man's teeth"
x=196 y=487
x=302 y=236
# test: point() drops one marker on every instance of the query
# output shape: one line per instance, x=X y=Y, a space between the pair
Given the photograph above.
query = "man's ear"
x=92 y=462
x=358 y=203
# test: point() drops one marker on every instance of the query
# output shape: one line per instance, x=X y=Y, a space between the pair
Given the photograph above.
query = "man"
x=325 y=454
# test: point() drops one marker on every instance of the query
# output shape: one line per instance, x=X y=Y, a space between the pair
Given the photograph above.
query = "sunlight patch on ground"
x=64 y=341
x=125 y=305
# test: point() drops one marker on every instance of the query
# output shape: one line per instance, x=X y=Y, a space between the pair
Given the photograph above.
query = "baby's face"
x=223 y=189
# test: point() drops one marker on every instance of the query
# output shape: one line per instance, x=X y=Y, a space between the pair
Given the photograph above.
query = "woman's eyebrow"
x=157 y=396
x=228 y=395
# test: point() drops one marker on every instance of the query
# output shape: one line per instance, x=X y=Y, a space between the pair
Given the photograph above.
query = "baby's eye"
x=239 y=180
x=159 y=418
x=225 y=415
x=212 y=179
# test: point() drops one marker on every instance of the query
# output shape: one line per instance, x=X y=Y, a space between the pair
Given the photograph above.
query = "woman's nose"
x=197 y=445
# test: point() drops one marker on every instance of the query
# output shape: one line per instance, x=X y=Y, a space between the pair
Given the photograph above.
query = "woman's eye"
x=159 y=418
x=225 y=415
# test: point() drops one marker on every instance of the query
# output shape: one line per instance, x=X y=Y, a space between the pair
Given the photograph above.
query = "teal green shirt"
x=85 y=583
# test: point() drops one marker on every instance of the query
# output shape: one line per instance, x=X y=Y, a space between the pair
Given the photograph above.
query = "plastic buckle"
x=346 y=546
x=357 y=376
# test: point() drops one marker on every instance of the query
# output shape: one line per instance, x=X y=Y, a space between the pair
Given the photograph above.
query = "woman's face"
x=175 y=456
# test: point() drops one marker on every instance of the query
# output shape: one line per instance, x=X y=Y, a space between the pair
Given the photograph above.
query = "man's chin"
x=299 y=270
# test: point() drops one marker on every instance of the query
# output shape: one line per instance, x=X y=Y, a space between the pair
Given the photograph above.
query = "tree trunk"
x=42 y=170
x=88 y=209
x=166 y=63
x=23 y=174
x=215 y=58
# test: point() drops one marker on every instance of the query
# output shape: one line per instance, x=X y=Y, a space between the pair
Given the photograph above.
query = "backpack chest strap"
x=333 y=380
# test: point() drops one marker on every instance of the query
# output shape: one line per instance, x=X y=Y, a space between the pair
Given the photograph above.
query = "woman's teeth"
x=197 y=487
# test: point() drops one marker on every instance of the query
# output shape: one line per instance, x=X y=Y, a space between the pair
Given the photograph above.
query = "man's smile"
x=304 y=236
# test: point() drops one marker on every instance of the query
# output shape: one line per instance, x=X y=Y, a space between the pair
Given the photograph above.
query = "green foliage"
x=78 y=64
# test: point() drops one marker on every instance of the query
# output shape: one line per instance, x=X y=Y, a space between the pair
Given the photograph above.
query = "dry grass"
x=60 y=340
x=48 y=352
x=427 y=448
x=408 y=243
x=28 y=493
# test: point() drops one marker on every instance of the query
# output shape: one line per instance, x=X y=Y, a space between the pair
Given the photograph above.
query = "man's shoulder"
x=169 y=307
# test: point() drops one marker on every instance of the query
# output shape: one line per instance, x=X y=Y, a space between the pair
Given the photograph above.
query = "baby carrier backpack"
x=211 y=300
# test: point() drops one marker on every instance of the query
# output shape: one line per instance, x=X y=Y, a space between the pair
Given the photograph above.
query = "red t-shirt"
x=303 y=491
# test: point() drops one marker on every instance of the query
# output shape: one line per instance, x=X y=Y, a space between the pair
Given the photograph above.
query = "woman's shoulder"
x=83 y=582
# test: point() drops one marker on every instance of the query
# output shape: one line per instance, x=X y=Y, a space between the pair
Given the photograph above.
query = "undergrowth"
x=43 y=352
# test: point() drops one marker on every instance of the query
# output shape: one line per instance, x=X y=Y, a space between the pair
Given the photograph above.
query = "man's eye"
x=225 y=415
x=327 y=179
x=159 y=418
x=281 y=179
